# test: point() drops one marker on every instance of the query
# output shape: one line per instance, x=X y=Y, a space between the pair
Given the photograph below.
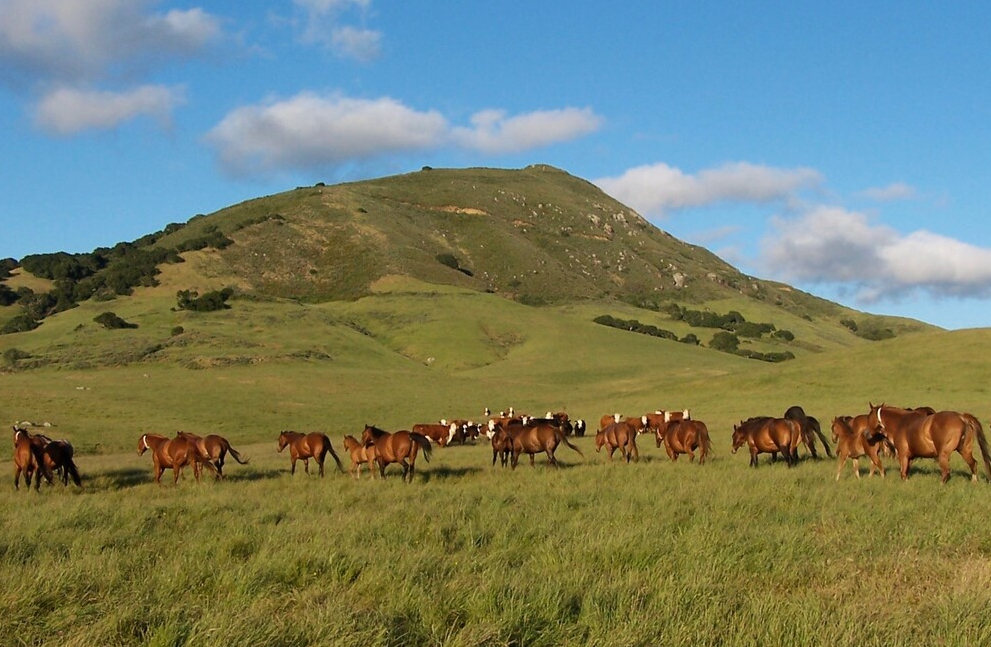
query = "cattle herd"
x=903 y=434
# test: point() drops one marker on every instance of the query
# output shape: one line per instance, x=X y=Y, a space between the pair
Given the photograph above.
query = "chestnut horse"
x=57 y=456
x=28 y=459
x=851 y=442
x=684 y=436
x=918 y=434
x=215 y=448
x=810 y=429
x=538 y=438
x=314 y=445
x=501 y=441
x=622 y=436
x=359 y=456
x=767 y=435
x=396 y=447
x=175 y=453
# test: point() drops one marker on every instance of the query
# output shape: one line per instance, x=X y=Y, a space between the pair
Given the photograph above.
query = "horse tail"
x=705 y=443
x=982 y=440
x=423 y=442
x=814 y=425
x=237 y=457
x=329 y=448
x=564 y=439
x=70 y=467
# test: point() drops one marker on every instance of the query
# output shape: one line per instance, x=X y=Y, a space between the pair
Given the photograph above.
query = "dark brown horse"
x=538 y=438
x=359 y=456
x=622 y=436
x=215 y=448
x=398 y=447
x=851 y=442
x=175 y=453
x=767 y=435
x=501 y=441
x=28 y=460
x=684 y=436
x=303 y=447
x=58 y=459
x=810 y=429
x=919 y=434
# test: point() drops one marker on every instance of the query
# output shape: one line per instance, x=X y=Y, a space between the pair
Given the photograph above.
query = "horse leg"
x=306 y=466
x=405 y=468
x=905 y=462
x=856 y=467
x=292 y=471
x=968 y=455
x=753 y=457
x=944 y=466
x=17 y=477
x=319 y=460
x=842 y=462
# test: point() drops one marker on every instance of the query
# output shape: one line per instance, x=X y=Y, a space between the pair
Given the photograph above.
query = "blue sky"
x=844 y=148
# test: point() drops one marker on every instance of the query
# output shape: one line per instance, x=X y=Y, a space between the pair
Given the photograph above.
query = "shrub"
x=785 y=335
x=725 y=341
x=448 y=259
x=7 y=296
x=849 y=323
x=690 y=338
x=12 y=355
x=110 y=321
x=177 y=330
x=20 y=323
x=215 y=300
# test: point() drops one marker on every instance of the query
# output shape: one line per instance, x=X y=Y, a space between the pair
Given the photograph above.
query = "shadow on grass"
x=122 y=478
x=443 y=472
x=253 y=475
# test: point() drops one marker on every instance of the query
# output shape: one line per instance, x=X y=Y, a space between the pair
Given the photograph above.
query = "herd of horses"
x=906 y=434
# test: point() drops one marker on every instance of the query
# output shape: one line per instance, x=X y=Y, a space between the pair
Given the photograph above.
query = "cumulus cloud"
x=322 y=25
x=311 y=130
x=67 y=111
x=890 y=193
x=73 y=40
x=834 y=246
x=657 y=188
x=492 y=131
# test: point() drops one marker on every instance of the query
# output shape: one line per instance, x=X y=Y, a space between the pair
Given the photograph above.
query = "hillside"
x=338 y=256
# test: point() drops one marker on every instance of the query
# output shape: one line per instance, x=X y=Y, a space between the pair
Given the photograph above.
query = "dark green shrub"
x=849 y=323
x=690 y=338
x=177 y=330
x=7 y=296
x=110 y=321
x=448 y=259
x=20 y=323
x=785 y=335
x=12 y=355
x=209 y=302
x=725 y=341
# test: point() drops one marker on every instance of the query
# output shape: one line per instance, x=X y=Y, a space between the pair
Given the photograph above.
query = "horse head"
x=739 y=436
x=283 y=440
x=143 y=444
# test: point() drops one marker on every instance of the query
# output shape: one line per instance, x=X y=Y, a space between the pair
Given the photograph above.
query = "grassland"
x=595 y=553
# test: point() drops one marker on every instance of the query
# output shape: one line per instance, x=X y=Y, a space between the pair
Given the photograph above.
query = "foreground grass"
x=596 y=553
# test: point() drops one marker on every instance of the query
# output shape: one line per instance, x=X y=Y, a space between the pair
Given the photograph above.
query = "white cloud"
x=75 y=40
x=360 y=44
x=310 y=130
x=323 y=25
x=493 y=132
x=657 y=188
x=67 y=111
x=890 y=193
x=835 y=246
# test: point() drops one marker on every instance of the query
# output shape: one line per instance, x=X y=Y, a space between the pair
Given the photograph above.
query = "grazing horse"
x=810 y=429
x=918 y=434
x=175 y=453
x=501 y=442
x=538 y=438
x=684 y=436
x=622 y=436
x=398 y=447
x=852 y=443
x=215 y=448
x=57 y=456
x=28 y=459
x=314 y=445
x=767 y=435
x=359 y=455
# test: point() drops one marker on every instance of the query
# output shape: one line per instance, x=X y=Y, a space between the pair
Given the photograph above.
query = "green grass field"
x=593 y=553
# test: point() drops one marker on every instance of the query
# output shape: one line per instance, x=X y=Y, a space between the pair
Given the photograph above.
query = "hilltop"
x=536 y=237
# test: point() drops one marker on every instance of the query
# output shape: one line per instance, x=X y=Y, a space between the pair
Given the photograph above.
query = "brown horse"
x=810 y=429
x=398 y=447
x=175 y=453
x=918 y=434
x=767 y=435
x=619 y=435
x=303 y=447
x=684 y=436
x=57 y=456
x=215 y=448
x=501 y=441
x=852 y=443
x=359 y=456
x=28 y=459
x=538 y=438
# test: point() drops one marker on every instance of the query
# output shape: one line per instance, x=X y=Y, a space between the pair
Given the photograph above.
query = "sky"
x=841 y=147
